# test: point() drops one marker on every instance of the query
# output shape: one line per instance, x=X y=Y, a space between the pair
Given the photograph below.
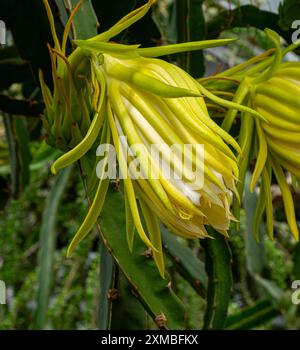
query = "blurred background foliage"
x=40 y=213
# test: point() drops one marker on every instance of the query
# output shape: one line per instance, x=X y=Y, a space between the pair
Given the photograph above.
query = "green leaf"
x=85 y=21
x=47 y=246
x=181 y=25
x=62 y=11
x=272 y=291
x=191 y=27
x=19 y=152
x=218 y=268
x=107 y=272
x=186 y=264
x=153 y=291
x=196 y=30
x=252 y=317
x=254 y=251
x=127 y=307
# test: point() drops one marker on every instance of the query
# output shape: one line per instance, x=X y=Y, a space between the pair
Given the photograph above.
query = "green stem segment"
x=218 y=268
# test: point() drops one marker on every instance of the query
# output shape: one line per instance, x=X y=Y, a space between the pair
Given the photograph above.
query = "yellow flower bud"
x=123 y=94
x=278 y=100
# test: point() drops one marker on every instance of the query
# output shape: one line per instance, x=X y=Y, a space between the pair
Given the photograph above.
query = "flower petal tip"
x=53 y=169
